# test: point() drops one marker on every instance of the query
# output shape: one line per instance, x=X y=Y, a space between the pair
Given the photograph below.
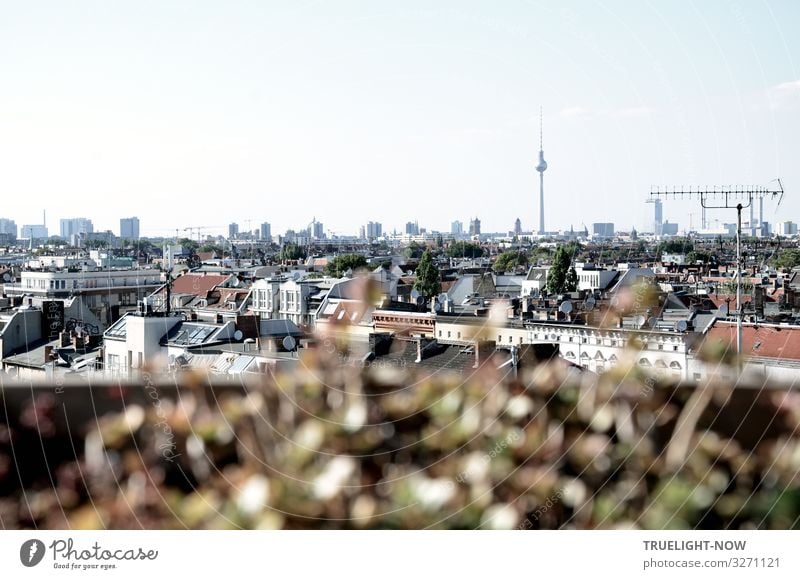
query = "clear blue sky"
x=192 y=113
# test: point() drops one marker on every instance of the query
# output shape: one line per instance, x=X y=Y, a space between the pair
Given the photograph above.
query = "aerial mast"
x=728 y=197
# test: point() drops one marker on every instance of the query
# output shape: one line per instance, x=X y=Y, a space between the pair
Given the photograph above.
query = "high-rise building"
x=33 y=232
x=374 y=230
x=233 y=231
x=266 y=232
x=658 y=217
x=129 y=228
x=457 y=227
x=517 y=227
x=8 y=226
x=75 y=226
x=668 y=228
x=412 y=228
x=475 y=226
x=8 y=232
x=603 y=229
x=316 y=231
x=787 y=228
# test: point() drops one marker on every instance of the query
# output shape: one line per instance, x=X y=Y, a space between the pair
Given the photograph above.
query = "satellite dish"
x=639 y=321
x=615 y=302
x=441 y=298
x=238 y=335
x=590 y=303
x=181 y=360
x=723 y=309
x=420 y=300
x=171 y=359
x=565 y=307
x=681 y=326
x=289 y=343
x=414 y=294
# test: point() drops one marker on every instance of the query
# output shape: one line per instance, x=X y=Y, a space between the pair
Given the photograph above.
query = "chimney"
x=48 y=354
x=219 y=318
x=65 y=339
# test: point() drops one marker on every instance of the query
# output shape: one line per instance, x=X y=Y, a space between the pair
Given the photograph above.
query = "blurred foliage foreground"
x=339 y=447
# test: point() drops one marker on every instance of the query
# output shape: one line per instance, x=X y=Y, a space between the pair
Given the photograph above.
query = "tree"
x=571 y=281
x=428 y=277
x=788 y=258
x=464 y=249
x=560 y=279
x=189 y=245
x=291 y=251
x=340 y=264
x=413 y=251
x=509 y=260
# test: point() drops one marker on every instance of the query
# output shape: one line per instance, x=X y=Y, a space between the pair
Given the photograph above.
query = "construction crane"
x=197 y=230
x=728 y=197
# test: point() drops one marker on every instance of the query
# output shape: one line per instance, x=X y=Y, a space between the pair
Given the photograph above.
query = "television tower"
x=541 y=168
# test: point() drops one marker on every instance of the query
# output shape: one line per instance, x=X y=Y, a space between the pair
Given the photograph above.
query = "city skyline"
x=407 y=113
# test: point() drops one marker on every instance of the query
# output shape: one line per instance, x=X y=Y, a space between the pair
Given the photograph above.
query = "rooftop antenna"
x=724 y=197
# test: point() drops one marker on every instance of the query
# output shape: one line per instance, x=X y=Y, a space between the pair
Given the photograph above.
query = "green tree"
x=189 y=245
x=339 y=265
x=559 y=278
x=413 y=251
x=464 y=249
x=510 y=259
x=291 y=251
x=787 y=258
x=428 y=281
x=571 y=281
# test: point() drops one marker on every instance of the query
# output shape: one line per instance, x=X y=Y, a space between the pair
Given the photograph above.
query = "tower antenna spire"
x=540 y=128
x=541 y=167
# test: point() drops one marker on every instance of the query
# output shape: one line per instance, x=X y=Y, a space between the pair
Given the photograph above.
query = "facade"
x=603 y=229
x=457 y=228
x=787 y=228
x=316 y=230
x=668 y=228
x=129 y=228
x=233 y=230
x=374 y=230
x=106 y=293
x=8 y=226
x=75 y=226
x=266 y=232
x=412 y=228
x=33 y=232
x=658 y=217
x=475 y=226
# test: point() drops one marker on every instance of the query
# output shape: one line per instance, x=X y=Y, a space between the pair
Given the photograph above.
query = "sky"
x=199 y=113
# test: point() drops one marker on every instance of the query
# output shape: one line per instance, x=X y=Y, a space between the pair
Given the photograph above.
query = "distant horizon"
x=201 y=114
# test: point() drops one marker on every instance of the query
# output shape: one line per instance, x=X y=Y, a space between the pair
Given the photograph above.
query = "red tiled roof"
x=767 y=341
x=197 y=285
